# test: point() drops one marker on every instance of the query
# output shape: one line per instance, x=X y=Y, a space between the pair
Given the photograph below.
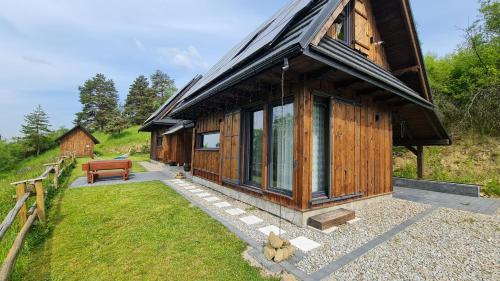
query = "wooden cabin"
x=79 y=141
x=305 y=111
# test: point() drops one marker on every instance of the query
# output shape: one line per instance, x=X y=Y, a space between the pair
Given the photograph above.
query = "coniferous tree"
x=117 y=124
x=140 y=102
x=99 y=98
x=36 y=130
x=163 y=86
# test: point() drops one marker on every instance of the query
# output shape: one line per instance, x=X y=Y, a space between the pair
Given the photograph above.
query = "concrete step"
x=331 y=219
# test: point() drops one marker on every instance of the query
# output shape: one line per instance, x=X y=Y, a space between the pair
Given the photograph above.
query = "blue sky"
x=48 y=48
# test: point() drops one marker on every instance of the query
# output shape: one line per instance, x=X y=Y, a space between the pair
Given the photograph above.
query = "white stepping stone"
x=204 y=194
x=235 y=211
x=196 y=190
x=250 y=220
x=304 y=244
x=222 y=205
x=353 y=221
x=271 y=228
x=211 y=199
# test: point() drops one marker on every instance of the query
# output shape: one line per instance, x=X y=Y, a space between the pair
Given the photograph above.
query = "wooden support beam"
x=420 y=162
x=399 y=72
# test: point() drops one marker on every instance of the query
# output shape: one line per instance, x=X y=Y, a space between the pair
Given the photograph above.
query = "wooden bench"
x=107 y=168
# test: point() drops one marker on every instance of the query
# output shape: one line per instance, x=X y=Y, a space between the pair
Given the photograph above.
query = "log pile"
x=278 y=249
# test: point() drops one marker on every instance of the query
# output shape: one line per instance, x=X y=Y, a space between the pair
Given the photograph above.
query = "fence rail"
x=24 y=190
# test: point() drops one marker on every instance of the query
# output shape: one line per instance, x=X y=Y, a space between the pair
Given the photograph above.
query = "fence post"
x=23 y=212
x=56 y=175
x=40 y=200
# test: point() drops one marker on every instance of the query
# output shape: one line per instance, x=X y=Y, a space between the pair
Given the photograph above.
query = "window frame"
x=328 y=187
x=348 y=25
x=248 y=137
x=271 y=188
x=199 y=141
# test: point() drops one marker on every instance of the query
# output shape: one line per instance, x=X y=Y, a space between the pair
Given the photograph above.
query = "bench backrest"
x=107 y=165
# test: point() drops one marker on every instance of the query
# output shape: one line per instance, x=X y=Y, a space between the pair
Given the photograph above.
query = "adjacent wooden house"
x=305 y=111
x=171 y=139
x=79 y=141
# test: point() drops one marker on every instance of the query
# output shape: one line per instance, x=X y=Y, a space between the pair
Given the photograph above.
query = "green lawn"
x=142 y=231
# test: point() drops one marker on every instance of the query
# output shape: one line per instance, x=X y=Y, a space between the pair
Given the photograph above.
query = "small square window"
x=209 y=140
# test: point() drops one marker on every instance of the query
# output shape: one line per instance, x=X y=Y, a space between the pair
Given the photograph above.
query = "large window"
x=321 y=147
x=282 y=147
x=209 y=140
x=255 y=131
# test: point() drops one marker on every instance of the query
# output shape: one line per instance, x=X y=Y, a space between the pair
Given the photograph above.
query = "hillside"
x=111 y=146
x=471 y=159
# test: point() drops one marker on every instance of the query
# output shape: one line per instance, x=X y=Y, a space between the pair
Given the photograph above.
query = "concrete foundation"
x=296 y=217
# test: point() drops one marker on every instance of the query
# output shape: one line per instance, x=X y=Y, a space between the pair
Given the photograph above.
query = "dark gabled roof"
x=285 y=34
x=159 y=115
x=78 y=127
x=288 y=34
x=151 y=125
x=342 y=57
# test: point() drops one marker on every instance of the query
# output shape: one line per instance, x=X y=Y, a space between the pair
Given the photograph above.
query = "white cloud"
x=138 y=43
x=188 y=58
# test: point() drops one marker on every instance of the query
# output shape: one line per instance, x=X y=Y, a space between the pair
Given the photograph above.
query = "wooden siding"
x=206 y=163
x=366 y=34
x=361 y=144
x=361 y=147
x=78 y=142
x=177 y=147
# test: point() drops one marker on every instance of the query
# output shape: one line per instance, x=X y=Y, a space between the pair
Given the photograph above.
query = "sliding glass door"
x=282 y=147
x=255 y=132
x=321 y=147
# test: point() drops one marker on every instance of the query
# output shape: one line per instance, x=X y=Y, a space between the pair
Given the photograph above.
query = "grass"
x=471 y=159
x=111 y=146
x=141 y=231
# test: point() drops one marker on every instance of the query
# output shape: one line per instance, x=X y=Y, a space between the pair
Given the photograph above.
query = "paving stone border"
x=438 y=186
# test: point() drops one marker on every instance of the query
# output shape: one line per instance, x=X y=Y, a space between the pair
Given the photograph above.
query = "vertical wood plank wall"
x=77 y=142
x=206 y=163
x=231 y=147
x=366 y=33
x=177 y=147
x=361 y=144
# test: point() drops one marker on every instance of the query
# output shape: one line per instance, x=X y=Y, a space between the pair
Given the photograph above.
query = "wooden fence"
x=27 y=217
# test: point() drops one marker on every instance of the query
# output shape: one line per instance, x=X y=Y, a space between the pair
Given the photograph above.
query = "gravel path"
x=375 y=219
x=447 y=245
